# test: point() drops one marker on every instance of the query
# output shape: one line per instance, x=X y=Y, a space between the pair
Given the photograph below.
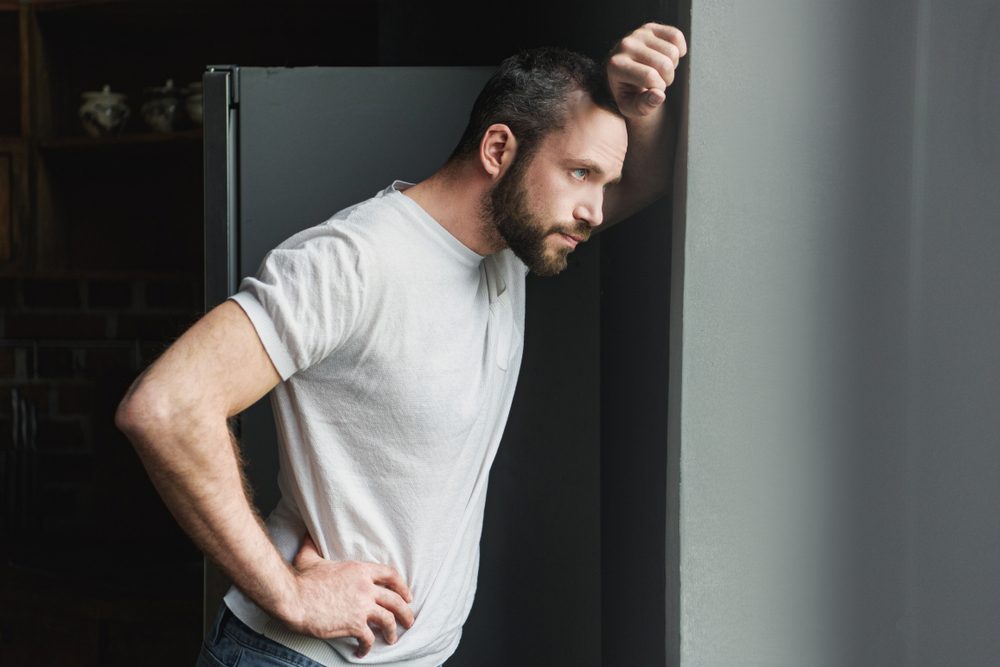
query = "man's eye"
x=580 y=174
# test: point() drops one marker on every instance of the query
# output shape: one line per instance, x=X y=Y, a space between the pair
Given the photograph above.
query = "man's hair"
x=529 y=93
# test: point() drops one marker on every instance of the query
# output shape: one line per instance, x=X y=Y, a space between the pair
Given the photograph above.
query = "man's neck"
x=453 y=196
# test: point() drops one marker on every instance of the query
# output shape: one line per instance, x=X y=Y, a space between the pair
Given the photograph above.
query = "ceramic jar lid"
x=103 y=94
x=166 y=89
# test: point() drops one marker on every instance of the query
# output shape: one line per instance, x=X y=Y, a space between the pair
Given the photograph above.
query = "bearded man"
x=390 y=337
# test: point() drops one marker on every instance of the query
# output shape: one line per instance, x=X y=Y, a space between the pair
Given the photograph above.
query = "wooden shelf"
x=99 y=274
x=8 y=141
x=44 y=5
x=122 y=140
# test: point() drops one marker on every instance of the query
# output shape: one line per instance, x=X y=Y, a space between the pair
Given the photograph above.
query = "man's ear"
x=497 y=149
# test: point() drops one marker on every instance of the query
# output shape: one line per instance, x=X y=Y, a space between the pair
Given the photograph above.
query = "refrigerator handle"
x=221 y=195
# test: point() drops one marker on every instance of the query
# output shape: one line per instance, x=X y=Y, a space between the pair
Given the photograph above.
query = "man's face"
x=543 y=206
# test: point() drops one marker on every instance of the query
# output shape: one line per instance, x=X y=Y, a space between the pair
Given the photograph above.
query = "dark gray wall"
x=833 y=391
x=540 y=564
x=952 y=464
x=636 y=612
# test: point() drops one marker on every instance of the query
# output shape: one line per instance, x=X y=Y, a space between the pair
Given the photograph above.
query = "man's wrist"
x=285 y=601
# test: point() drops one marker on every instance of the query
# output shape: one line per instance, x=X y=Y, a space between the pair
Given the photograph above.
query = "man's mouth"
x=572 y=240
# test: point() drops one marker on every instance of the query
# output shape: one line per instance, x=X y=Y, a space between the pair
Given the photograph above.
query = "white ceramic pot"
x=160 y=109
x=103 y=113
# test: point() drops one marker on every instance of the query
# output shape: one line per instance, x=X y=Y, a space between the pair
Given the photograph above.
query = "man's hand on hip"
x=340 y=599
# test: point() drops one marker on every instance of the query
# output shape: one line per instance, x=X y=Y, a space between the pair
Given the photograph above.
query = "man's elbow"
x=141 y=412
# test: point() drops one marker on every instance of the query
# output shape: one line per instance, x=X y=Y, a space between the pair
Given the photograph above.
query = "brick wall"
x=69 y=348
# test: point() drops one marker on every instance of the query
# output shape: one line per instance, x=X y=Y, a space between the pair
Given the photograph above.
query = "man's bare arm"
x=640 y=70
x=176 y=415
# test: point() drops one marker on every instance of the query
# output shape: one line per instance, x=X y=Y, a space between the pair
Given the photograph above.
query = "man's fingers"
x=384 y=575
x=366 y=638
x=307 y=552
x=653 y=97
x=394 y=603
x=384 y=619
x=632 y=73
x=670 y=34
x=650 y=50
x=663 y=62
x=633 y=82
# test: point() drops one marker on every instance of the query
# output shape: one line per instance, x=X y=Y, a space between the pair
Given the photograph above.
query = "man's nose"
x=591 y=211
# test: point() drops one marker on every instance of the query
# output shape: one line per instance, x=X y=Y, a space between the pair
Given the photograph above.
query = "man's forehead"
x=592 y=133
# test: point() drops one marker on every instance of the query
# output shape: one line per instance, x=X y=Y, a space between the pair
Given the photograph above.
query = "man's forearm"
x=648 y=168
x=175 y=415
x=650 y=158
x=192 y=462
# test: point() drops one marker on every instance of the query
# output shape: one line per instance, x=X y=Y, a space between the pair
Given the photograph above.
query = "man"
x=391 y=337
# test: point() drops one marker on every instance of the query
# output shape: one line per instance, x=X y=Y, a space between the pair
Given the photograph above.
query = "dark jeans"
x=230 y=643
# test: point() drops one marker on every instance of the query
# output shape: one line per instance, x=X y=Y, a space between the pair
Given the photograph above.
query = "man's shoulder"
x=355 y=224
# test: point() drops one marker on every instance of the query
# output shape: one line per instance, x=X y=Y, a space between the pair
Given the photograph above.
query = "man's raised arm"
x=640 y=69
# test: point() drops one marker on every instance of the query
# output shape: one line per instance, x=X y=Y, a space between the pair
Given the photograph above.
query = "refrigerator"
x=286 y=148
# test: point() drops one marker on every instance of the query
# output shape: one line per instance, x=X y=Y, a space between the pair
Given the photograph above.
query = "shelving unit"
x=13 y=153
x=46 y=59
x=125 y=202
x=134 y=201
x=101 y=265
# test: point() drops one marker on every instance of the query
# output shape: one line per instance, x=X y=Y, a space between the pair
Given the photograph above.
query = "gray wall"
x=953 y=462
x=833 y=369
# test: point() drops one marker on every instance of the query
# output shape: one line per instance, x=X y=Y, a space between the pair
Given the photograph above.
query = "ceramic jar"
x=160 y=108
x=103 y=113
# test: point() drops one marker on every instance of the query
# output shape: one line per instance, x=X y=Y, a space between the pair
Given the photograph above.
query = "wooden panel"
x=10 y=78
x=37 y=68
x=6 y=208
x=24 y=32
x=50 y=227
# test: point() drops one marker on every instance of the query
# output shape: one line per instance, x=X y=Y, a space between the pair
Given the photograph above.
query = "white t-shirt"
x=399 y=349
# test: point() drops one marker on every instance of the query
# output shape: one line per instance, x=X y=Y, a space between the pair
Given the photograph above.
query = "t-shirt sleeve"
x=305 y=299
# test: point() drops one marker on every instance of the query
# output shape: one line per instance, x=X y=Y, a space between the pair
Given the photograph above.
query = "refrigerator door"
x=287 y=148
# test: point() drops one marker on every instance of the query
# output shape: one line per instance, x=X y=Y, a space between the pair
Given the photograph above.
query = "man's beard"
x=506 y=210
